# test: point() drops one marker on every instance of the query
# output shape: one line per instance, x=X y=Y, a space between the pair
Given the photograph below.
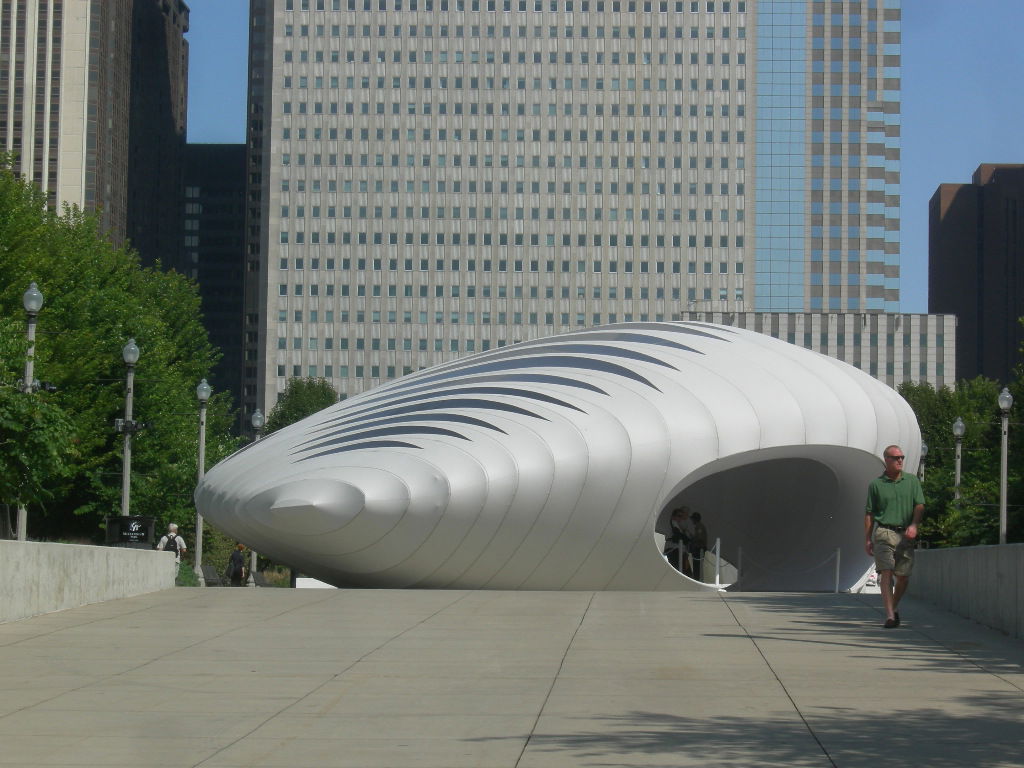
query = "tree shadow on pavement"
x=986 y=732
x=942 y=640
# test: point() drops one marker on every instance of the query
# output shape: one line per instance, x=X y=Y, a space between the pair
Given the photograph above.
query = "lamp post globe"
x=32 y=299
x=203 y=391
x=130 y=352
x=1005 y=400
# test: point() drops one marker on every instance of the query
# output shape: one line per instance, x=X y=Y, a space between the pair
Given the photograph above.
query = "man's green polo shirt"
x=892 y=502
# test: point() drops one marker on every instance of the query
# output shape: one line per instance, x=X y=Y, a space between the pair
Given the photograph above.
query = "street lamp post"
x=203 y=391
x=32 y=300
x=924 y=455
x=958 y=435
x=130 y=354
x=1005 y=403
x=258 y=420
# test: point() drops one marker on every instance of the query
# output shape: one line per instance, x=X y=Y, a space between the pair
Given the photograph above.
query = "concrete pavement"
x=276 y=678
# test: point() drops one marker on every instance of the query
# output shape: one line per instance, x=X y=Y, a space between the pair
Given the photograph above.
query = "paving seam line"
x=77 y=626
x=333 y=677
x=83 y=623
x=753 y=640
x=554 y=679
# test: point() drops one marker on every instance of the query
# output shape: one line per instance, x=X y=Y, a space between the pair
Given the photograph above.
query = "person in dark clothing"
x=698 y=545
x=236 y=565
x=677 y=544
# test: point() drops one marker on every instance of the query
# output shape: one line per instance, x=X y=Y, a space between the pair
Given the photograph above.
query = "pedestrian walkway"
x=278 y=678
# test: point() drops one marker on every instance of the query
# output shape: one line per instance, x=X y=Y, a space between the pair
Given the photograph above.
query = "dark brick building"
x=975 y=267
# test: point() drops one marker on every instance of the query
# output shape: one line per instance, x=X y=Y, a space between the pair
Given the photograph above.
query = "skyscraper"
x=156 y=133
x=80 y=87
x=214 y=249
x=975 y=249
x=435 y=177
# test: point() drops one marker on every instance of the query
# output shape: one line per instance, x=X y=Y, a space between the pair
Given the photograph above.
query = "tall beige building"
x=430 y=178
x=66 y=72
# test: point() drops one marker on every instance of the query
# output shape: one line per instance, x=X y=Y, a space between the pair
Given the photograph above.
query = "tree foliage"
x=974 y=518
x=96 y=297
x=35 y=434
x=301 y=398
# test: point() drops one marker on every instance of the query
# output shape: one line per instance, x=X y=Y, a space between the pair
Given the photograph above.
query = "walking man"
x=894 y=508
x=172 y=542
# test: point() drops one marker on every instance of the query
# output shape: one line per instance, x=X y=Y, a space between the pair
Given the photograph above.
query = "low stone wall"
x=40 y=577
x=985 y=584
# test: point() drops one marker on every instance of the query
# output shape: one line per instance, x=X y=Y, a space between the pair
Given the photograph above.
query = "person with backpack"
x=172 y=542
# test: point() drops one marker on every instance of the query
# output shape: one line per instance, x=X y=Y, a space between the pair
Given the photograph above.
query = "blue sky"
x=962 y=101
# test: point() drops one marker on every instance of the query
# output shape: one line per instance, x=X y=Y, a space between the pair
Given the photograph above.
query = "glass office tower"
x=828 y=132
x=430 y=178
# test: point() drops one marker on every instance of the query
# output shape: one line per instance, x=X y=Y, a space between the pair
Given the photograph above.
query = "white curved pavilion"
x=551 y=464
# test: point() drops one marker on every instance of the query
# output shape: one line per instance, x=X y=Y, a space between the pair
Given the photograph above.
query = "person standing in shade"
x=698 y=545
x=172 y=542
x=678 y=541
x=236 y=565
x=894 y=509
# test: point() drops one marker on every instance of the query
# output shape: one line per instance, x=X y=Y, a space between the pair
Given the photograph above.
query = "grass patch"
x=277 y=577
x=186 y=577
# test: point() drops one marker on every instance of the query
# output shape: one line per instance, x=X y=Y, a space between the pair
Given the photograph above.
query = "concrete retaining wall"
x=39 y=577
x=985 y=584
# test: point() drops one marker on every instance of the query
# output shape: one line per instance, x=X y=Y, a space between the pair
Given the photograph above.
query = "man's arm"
x=869 y=520
x=918 y=514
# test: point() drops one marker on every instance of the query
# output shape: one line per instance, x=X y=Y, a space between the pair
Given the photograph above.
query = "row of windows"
x=360 y=371
x=298 y=289
x=327 y=344
x=472 y=187
x=597 y=162
x=470 y=265
x=518 y=239
x=554 y=6
x=614 y=58
x=470 y=317
x=313 y=343
x=522 y=31
x=503 y=109
x=504 y=83
x=516 y=213
x=534 y=291
x=440 y=189
x=521 y=135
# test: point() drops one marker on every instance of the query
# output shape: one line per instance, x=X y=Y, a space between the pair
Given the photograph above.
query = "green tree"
x=301 y=398
x=97 y=296
x=35 y=434
x=974 y=518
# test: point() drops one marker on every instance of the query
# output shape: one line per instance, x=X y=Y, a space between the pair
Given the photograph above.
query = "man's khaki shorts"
x=893 y=552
